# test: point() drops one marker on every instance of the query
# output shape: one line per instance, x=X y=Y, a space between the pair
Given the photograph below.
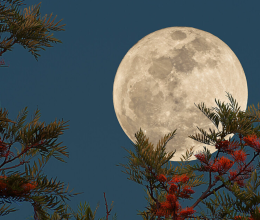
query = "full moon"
x=164 y=74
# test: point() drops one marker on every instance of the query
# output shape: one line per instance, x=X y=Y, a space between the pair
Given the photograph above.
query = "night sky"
x=74 y=81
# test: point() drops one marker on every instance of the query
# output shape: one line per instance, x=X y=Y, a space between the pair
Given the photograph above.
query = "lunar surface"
x=164 y=74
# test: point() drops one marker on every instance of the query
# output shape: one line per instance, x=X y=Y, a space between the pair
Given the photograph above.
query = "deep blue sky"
x=74 y=81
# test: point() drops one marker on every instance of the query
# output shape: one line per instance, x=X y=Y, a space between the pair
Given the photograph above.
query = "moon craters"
x=164 y=74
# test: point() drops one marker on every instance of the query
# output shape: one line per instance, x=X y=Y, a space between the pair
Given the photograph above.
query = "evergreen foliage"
x=31 y=32
x=151 y=160
x=27 y=29
x=48 y=193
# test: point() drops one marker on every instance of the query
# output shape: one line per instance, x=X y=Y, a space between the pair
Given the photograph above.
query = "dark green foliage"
x=28 y=30
x=48 y=192
x=28 y=135
x=152 y=160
